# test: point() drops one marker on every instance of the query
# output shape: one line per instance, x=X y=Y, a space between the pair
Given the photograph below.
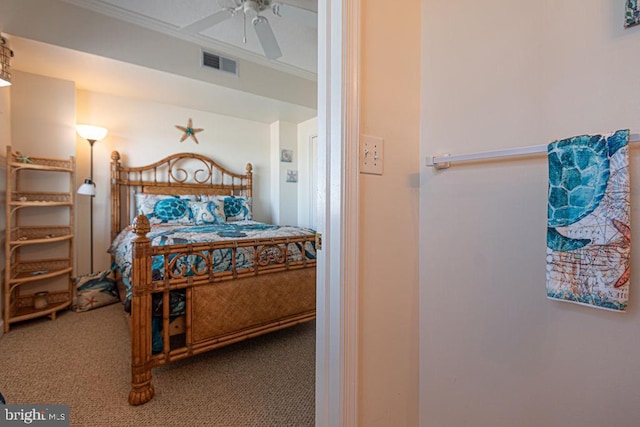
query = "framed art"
x=292 y=176
x=286 y=156
x=632 y=14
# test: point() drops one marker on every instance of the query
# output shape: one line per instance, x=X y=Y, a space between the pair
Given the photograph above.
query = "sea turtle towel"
x=588 y=232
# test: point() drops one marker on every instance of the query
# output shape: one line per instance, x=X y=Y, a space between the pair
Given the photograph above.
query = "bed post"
x=141 y=388
x=249 y=190
x=115 y=195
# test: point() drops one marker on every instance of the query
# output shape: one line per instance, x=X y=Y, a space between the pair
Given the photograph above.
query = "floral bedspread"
x=161 y=235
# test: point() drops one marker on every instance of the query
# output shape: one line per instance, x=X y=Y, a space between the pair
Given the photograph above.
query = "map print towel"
x=588 y=233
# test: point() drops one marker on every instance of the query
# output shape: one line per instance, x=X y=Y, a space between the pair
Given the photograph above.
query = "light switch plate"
x=371 y=154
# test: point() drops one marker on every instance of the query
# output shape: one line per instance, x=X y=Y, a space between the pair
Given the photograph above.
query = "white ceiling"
x=298 y=41
x=104 y=75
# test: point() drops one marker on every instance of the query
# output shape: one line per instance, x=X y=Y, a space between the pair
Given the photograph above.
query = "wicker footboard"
x=219 y=309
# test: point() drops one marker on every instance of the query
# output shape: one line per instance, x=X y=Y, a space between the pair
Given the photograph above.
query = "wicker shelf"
x=23 y=308
x=38 y=235
x=41 y=163
x=34 y=270
x=24 y=276
x=31 y=198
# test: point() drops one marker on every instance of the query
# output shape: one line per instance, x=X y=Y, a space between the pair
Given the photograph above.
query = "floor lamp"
x=88 y=188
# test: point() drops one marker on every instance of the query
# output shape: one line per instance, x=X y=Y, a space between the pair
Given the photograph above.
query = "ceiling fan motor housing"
x=255 y=6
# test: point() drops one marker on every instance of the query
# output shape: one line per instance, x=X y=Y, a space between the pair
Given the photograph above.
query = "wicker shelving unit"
x=25 y=271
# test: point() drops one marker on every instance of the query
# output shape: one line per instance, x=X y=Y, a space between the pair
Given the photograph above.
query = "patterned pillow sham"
x=165 y=208
x=95 y=290
x=236 y=208
x=207 y=212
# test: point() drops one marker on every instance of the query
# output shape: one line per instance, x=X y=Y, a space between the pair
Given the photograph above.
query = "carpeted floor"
x=82 y=360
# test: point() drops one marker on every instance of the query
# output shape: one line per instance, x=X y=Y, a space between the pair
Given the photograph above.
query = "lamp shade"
x=91 y=133
x=88 y=188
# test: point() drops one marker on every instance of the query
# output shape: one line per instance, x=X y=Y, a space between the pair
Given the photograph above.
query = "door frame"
x=337 y=267
x=312 y=166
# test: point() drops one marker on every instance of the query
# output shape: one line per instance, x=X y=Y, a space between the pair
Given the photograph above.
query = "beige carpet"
x=82 y=360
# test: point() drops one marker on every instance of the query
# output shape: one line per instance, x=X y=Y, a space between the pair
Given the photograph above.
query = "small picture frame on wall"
x=632 y=14
x=292 y=176
x=286 y=156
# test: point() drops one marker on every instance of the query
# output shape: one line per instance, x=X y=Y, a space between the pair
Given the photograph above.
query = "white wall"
x=388 y=273
x=284 y=194
x=494 y=351
x=144 y=132
x=306 y=131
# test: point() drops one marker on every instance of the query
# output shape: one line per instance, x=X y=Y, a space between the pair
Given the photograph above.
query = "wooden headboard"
x=182 y=173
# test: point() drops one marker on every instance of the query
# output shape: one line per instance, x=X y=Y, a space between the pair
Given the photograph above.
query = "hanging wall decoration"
x=632 y=13
x=189 y=131
x=588 y=221
x=286 y=156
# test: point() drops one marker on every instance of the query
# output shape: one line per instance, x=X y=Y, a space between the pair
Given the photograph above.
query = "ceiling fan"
x=252 y=10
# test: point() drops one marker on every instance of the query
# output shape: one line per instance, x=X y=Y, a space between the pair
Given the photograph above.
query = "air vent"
x=218 y=62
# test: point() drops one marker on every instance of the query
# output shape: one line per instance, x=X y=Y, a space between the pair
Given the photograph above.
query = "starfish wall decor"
x=189 y=131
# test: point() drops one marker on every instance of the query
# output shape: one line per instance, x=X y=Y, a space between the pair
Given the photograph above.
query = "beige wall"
x=494 y=351
x=390 y=108
x=42 y=120
x=143 y=132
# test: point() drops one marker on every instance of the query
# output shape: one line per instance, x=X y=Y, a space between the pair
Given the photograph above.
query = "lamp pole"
x=91 y=142
x=91 y=134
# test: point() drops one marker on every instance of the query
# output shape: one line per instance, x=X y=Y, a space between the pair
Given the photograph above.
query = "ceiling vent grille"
x=220 y=63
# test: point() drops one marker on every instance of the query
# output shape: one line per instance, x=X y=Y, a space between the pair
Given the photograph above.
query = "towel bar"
x=443 y=161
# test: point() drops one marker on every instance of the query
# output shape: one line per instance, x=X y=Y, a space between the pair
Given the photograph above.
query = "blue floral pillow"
x=164 y=209
x=207 y=212
x=237 y=208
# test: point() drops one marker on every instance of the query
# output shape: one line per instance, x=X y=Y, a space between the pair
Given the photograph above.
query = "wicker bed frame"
x=221 y=307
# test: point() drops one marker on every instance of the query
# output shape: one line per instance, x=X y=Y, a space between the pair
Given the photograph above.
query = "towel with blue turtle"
x=588 y=231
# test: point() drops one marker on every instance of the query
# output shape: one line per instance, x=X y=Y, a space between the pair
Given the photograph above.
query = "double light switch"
x=371 y=154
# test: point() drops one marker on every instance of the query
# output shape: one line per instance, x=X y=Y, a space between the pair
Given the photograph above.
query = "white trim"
x=312 y=160
x=338 y=127
x=351 y=218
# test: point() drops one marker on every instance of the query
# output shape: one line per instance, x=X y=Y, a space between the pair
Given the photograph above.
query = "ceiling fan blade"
x=266 y=37
x=209 y=21
x=297 y=14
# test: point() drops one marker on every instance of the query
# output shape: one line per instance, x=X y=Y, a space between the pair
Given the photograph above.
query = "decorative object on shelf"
x=5 y=63
x=22 y=158
x=88 y=188
x=40 y=300
x=632 y=13
x=286 y=156
x=189 y=131
x=292 y=176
